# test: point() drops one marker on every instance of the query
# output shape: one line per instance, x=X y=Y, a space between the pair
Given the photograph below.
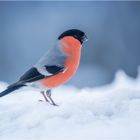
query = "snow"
x=110 y=112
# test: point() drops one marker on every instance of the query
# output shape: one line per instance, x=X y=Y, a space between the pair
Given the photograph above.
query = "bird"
x=55 y=68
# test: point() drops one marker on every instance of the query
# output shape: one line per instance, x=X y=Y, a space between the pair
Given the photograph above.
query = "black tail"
x=11 y=88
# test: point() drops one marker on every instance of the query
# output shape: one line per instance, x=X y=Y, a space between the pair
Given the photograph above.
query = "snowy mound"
x=109 y=112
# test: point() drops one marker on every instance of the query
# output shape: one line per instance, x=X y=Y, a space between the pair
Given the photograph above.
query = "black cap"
x=78 y=34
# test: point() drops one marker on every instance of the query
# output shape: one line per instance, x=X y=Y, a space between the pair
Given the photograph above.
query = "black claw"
x=40 y=100
x=55 y=105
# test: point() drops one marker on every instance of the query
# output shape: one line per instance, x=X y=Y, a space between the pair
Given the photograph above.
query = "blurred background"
x=29 y=29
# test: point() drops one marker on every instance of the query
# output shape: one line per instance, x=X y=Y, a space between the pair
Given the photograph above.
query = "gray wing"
x=54 y=58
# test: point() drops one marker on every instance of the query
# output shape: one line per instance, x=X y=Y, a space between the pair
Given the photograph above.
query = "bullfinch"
x=55 y=68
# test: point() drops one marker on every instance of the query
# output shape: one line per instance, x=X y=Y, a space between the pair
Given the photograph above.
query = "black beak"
x=84 y=38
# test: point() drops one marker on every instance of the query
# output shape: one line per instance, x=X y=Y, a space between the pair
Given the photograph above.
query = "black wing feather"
x=54 y=69
x=31 y=75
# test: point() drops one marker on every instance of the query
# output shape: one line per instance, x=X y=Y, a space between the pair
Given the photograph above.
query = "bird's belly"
x=37 y=85
x=61 y=78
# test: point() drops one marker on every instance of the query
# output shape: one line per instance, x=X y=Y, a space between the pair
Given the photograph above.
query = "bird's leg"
x=43 y=93
x=48 y=93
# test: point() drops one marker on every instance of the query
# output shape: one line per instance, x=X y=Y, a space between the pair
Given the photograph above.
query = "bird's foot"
x=48 y=102
x=48 y=94
x=52 y=102
x=48 y=98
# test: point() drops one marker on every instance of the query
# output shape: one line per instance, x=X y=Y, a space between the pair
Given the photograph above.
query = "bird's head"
x=72 y=40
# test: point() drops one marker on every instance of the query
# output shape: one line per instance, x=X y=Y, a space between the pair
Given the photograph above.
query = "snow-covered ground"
x=111 y=112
